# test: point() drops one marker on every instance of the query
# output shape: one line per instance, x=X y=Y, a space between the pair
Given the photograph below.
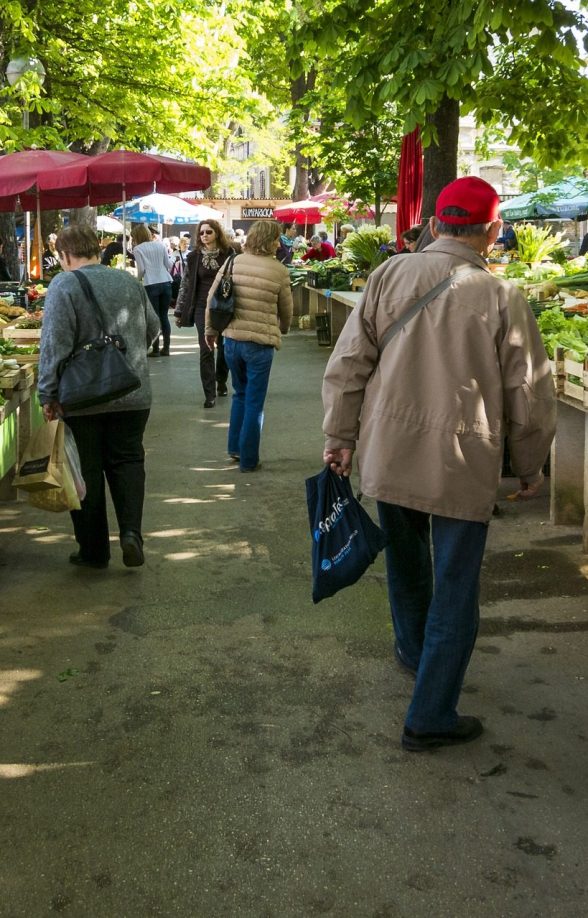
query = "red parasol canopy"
x=19 y=174
x=121 y=174
x=410 y=185
x=302 y=211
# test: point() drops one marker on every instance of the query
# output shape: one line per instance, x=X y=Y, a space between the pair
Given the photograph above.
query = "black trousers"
x=111 y=450
x=211 y=374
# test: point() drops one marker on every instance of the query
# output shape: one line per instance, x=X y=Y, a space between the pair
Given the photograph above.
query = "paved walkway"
x=196 y=739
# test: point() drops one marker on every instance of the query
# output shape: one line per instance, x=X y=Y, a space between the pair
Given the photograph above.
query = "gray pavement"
x=196 y=739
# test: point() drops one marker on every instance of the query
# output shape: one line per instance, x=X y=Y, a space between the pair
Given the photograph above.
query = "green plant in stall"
x=363 y=249
x=534 y=243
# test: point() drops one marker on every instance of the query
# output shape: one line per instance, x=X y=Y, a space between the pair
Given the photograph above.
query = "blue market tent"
x=566 y=200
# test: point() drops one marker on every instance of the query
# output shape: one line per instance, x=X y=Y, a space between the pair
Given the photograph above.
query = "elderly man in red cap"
x=439 y=361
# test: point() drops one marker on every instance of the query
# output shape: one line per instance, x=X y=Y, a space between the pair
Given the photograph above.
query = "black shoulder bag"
x=97 y=371
x=222 y=302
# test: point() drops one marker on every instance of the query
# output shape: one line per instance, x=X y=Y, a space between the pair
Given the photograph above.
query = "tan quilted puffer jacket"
x=263 y=300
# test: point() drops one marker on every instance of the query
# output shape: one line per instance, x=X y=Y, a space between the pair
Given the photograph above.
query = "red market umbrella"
x=122 y=174
x=19 y=173
x=19 y=185
x=410 y=185
x=302 y=211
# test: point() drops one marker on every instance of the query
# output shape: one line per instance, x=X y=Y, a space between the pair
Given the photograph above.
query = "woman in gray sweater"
x=109 y=436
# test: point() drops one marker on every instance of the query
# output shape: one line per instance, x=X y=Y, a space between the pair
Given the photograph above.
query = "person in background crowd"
x=327 y=245
x=240 y=237
x=317 y=251
x=155 y=234
x=178 y=257
x=263 y=312
x=188 y=242
x=431 y=442
x=4 y=272
x=285 y=252
x=299 y=246
x=425 y=238
x=153 y=267
x=202 y=265
x=50 y=261
x=508 y=238
x=344 y=231
x=410 y=238
x=109 y=437
x=232 y=237
x=113 y=249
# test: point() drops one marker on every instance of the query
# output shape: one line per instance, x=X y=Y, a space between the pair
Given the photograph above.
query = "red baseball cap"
x=473 y=195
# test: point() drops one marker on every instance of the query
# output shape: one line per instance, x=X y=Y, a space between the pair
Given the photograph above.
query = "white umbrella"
x=166 y=208
x=106 y=224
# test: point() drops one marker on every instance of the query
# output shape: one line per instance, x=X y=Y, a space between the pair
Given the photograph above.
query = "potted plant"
x=367 y=248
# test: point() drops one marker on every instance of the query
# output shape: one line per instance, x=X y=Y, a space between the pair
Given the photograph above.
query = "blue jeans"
x=250 y=366
x=434 y=604
x=160 y=296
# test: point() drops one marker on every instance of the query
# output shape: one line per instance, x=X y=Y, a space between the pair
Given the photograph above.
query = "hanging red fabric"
x=410 y=185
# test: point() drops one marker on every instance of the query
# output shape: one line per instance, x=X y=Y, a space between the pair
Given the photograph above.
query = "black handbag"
x=222 y=302
x=97 y=371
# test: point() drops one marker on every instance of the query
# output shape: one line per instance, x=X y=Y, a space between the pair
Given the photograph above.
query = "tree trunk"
x=83 y=215
x=298 y=89
x=10 y=251
x=440 y=161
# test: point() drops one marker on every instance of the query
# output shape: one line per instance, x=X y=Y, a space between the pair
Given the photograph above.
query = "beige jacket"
x=429 y=418
x=263 y=300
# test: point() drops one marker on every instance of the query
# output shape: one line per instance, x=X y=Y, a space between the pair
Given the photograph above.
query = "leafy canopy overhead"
x=139 y=74
x=517 y=62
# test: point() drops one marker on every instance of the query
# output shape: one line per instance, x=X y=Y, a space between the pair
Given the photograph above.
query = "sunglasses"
x=206 y=232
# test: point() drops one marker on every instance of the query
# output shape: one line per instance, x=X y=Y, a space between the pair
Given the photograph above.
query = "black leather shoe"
x=402 y=662
x=221 y=390
x=77 y=559
x=132 y=549
x=465 y=730
x=210 y=403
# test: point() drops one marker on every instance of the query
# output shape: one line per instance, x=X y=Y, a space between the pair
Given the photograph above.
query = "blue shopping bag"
x=345 y=540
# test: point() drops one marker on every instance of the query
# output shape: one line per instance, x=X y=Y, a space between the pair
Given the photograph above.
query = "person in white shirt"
x=153 y=268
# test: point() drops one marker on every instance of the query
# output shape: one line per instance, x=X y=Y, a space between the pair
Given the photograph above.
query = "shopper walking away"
x=202 y=264
x=435 y=402
x=153 y=267
x=263 y=312
x=109 y=436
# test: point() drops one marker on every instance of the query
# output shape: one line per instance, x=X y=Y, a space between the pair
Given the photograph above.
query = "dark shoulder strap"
x=87 y=288
x=416 y=307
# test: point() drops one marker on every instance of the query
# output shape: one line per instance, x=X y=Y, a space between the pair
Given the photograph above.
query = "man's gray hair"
x=460 y=229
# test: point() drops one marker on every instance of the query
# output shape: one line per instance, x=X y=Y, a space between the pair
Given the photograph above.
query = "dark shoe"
x=164 y=352
x=254 y=469
x=404 y=664
x=210 y=403
x=234 y=457
x=221 y=390
x=465 y=730
x=132 y=549
x=77 y=559
x=153 y=354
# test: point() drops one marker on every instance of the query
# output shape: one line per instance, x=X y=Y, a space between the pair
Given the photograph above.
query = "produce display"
x=559 y=330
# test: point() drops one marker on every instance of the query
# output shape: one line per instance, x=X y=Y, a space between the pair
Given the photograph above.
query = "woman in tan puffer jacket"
x=263 y=312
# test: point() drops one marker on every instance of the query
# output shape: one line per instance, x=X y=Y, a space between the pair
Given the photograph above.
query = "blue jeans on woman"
x=160 y=296
x=434 y=604
x=250 y=366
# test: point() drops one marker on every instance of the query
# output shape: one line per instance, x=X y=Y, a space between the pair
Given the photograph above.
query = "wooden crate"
x=20 y=335
x=557 y=370
x=575 y=380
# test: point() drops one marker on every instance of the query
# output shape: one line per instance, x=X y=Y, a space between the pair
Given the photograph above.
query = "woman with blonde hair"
x=201 y=267
x=153 y=267
x=263 y=311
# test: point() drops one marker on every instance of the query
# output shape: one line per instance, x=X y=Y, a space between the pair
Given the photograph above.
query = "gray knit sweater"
x=153 y=263
x=69 y=321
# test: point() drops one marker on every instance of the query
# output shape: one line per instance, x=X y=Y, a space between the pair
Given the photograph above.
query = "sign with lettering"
x=256 y=213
